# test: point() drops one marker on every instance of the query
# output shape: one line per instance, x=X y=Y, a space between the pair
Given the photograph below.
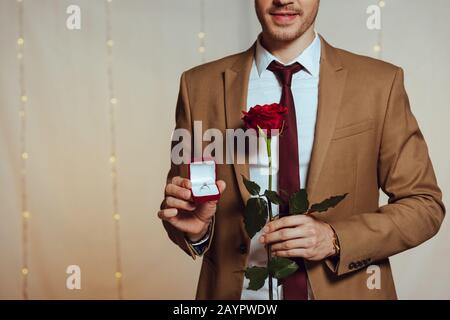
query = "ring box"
x=203 y=178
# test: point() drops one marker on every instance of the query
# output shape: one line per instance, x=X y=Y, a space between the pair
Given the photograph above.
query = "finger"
x=298 y=253
x=300 y=243
x=167 y=214
x=172 y=202
x=178 y=192
x=221 y=185
x=286 y=222
x=173 y=220
x=282 y=235
x=182 y=182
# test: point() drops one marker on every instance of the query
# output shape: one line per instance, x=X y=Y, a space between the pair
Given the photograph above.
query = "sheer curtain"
x=68 y=138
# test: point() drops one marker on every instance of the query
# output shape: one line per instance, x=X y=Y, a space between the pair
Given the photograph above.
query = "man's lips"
x=282 y=13
x=283 y=17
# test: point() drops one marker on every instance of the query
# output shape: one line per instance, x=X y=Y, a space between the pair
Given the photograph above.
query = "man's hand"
x=185 y=215
x=299 y=236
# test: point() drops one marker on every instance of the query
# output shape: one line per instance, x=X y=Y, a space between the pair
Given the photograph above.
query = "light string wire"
x=113 y=102
x=25 y=213
x=378 y=47
x=202 y=34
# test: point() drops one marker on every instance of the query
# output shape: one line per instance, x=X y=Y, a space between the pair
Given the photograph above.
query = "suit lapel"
x=236 y=90
x=331 y=86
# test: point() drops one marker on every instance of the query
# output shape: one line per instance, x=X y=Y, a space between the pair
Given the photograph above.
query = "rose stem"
x=269 y=247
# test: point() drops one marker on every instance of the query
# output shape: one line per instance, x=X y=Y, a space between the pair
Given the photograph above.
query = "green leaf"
x=327 y=203
x=298 y=202
x=280 y=267
x=257 y=277
x=255 y=215
x=251 y=186
x=273 y=197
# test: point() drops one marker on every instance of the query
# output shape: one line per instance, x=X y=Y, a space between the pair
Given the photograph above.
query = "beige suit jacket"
x=366 y=139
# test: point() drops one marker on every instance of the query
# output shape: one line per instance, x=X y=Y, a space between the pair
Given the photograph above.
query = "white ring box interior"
x=203 y=179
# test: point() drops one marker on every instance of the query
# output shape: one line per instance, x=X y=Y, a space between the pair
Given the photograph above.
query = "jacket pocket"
x=353 y=129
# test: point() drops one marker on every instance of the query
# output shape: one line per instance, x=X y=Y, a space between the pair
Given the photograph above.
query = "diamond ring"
x=205 y=185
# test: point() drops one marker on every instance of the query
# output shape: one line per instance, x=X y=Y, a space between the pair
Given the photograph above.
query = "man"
x=351 y=130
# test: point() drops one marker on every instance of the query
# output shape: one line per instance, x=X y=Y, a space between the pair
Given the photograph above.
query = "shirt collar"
x=309 y=58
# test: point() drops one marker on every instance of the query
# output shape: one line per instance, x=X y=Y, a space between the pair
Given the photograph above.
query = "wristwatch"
x=336 y=247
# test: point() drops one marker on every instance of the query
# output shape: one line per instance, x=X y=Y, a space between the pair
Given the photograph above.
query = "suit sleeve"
x=183 y=122
x=415 y=210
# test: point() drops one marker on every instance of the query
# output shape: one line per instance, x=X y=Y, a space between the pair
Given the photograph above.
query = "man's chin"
x=283 y=34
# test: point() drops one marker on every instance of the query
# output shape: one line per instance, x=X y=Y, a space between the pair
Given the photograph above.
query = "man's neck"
x=287 y=51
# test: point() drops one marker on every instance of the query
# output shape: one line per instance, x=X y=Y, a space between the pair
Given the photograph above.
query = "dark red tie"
x=295 y=286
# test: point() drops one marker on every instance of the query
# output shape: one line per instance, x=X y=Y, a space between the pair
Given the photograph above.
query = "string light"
x=113 y=101
x=202 y=34
x=23 y=100
x=378 y=47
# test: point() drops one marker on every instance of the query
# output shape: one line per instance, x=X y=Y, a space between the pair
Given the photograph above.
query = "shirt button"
x=243 y=248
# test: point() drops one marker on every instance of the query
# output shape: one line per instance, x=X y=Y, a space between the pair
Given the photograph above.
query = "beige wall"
x=69 y=186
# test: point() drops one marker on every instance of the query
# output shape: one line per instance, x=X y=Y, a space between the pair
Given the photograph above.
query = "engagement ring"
x=204 y=186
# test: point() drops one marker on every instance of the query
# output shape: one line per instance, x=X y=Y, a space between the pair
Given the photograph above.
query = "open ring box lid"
x=203 y=178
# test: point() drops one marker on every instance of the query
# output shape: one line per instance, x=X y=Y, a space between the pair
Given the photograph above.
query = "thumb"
x=221 y=185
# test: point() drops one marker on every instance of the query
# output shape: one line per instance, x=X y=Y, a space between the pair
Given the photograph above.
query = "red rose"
x=267 y=117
